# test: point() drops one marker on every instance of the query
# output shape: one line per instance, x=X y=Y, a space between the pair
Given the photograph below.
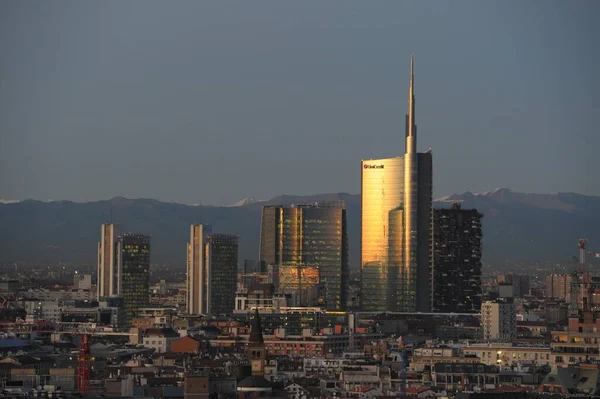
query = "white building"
x=51 y=311
x=53 y=295
x=246 y=301
x=82 y=281
x=322 y=366
x=160 y=339
x=498 y=320
x=504 y=354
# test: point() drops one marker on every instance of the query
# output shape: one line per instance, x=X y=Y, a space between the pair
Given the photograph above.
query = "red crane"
x=586 y=292
x=84 y=366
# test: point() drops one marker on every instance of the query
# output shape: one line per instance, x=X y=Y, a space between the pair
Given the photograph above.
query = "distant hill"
x=517 y=226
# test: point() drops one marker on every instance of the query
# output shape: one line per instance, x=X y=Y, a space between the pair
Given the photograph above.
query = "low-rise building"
x=324 y=366
x=427 y=357
x=509 y=355
x=312 y=343
x=464 y=376
x=185 y=345
x=160 y=339
x=580 y=343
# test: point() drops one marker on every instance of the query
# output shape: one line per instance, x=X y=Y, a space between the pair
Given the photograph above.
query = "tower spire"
x=411 y=127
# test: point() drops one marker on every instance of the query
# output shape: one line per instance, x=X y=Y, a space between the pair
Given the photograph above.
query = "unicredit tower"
x=396 y=226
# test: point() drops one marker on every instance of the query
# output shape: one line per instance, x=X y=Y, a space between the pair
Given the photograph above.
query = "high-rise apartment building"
x=309 y=234
x=108 y=271
x=211 y=271
x=396 y=226
x=135 y=272
x=558 y=286
x=457 y=260
x=223 y=277
x=499 y=320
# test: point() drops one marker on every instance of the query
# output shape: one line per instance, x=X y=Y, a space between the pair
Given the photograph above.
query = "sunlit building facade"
x=135 y=272
x=303 y=280
x=108 y=271
x=198 y=267
x=311 y=234
x=396 y=227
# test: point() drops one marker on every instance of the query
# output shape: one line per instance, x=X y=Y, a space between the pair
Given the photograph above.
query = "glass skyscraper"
x=223 y=273
x=211 y=271
x=135 y=272
x=396 y=226
x=309 y=235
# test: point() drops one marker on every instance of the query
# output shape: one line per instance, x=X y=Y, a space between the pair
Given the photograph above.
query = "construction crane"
x=402 y=349
x=84 y=365
x=582 y=279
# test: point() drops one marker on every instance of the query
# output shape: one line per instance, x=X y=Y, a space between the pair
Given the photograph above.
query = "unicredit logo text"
x=373 y=166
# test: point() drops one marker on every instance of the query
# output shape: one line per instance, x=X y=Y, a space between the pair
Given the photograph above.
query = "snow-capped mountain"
x=245 y=201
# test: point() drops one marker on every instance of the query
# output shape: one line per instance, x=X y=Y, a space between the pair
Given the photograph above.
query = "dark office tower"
x=223 y=277
x=135 y=272
x=396 y=226
x=457 y=260
x=309 y=235
x=521 y=285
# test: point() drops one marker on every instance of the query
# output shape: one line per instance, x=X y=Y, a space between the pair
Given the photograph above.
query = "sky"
x=213 y=101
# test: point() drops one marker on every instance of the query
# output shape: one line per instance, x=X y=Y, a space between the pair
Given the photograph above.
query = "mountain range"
x=517 y=227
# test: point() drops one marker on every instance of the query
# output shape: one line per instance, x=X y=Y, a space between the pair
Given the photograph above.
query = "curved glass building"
x=396 y=226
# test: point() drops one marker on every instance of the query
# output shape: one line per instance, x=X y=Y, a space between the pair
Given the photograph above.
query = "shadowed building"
x=135 y=273
x=223 y=277
x=396 y=226
x=457 y=260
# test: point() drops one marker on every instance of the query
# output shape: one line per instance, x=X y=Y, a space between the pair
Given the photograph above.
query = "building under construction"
x=585 y=283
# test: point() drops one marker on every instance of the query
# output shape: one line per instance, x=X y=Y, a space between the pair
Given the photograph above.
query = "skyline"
x=253 y=200
x=152 y=102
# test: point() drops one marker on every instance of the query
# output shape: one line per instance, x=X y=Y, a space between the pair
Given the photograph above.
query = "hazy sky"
x=193 y=101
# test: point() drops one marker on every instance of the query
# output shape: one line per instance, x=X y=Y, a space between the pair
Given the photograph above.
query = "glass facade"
x=311 y=234
x=223 y=277
x=382 y=195
x=302 y=280
x=135 y=273
x=396 y=234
